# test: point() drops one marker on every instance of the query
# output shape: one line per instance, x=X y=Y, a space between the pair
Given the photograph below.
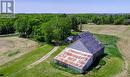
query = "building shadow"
x=95 y=63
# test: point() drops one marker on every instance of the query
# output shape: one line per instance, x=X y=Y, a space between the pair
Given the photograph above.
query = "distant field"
x=113 y=64
x=13 y=47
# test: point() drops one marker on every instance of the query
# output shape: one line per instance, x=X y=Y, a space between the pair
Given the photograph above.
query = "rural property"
x=65 y=45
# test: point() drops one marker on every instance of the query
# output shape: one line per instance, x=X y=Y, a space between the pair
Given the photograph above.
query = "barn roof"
x=87 y=42
x=73 y=57
x=79 y=53
x=84 y=34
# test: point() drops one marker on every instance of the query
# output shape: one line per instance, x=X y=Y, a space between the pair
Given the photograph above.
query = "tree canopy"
x=56 y=27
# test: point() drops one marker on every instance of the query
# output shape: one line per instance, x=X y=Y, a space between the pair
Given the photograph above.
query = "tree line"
x=56 y=27
x=102 y=19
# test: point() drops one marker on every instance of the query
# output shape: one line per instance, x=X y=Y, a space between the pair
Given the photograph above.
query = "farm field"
x=17 y=65
x=121 y=31
x=14 y=47
x=114 y=63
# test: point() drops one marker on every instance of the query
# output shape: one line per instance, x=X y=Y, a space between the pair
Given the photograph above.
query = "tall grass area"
x=19 y=64
x=113 y=64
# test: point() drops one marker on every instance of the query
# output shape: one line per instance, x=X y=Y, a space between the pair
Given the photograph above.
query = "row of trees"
x=115 y=19
x=55 y=27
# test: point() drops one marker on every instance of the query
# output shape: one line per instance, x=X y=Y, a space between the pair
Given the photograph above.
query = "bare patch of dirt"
x=14 y=47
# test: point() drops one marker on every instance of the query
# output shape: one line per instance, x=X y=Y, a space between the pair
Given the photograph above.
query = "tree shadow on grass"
x=1 y=75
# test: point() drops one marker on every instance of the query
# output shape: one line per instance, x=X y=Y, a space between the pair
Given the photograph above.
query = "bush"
x=102 y=62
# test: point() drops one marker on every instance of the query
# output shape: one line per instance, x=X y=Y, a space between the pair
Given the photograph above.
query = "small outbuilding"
x=81 y=53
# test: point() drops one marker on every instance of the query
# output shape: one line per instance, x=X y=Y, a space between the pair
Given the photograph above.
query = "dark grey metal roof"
x=84 y=34
x=78 y=45
x=88 y=43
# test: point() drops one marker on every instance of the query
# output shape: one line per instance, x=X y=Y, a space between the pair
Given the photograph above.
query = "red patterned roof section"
x=74 y=57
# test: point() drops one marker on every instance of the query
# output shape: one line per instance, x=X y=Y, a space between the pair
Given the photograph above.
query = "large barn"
x=82 y=53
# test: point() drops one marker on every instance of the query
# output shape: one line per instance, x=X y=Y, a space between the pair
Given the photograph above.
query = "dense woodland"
x=56 y=27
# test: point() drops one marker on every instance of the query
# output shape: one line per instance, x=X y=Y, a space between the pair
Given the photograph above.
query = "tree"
x=57 y=34
x=118 y=20
x=57 y=29
x=23 y=26
x=6 y=26
x=47 y=29
x=74 y=23
x=38 y=33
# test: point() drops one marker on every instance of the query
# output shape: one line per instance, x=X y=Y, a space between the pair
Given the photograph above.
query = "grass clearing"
x=13 y=47
x=113 y=64
x=18 y=64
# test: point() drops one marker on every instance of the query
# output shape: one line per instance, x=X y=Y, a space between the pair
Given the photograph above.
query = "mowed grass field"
x=12 y=47
x=113 y=64
x=13 y=67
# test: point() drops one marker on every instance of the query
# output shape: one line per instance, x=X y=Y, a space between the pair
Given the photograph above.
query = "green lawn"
x=110 y=45
x=113 y=64
x=129 y=68
x=17 y=65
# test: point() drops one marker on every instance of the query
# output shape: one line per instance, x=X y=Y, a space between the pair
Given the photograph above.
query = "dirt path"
x=43 y=58
x=121 y=31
